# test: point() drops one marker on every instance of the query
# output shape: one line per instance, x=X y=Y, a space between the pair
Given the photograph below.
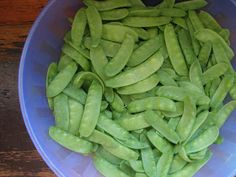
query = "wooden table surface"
x=18 y=156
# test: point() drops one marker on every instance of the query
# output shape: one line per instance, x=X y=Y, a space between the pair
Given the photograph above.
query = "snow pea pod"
x=177 y=164
x=142 y=34
x=104 y=105
x=116 y=64
x=187 y=120
x=117 y=104
x=204 y=54
x=61 y=80
x=141 y=86
x=133 y=143
x=116 y=14
x=137 y=73
x=155 y=120
x=165 y=78
x=78 y=27
x=107 y=5
x=172 y=12
x=95 y=25
x=173 y=122
x=146 y=21
x=147 y=49
x=180 y=22
x=69 y=141
x=195 y=74
x=137 y=3
x=164 y=163
x=106 y=168
x=75 y=93
x=198 y=155
x=175 y=53
x=112 y=146
x=108 y=156
x=144 y=12
x=152 y=103
x=91 y=109
x=191 y=5
x=136 y=165
x=197 y=24
x=166 y=4
x=64 y=61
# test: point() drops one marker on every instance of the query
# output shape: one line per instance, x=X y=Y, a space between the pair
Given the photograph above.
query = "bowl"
x=43 y=46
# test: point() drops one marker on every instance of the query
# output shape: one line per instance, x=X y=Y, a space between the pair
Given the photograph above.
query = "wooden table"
x=18 y=156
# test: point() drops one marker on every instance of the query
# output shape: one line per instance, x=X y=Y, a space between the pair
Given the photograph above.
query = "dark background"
x=18 y=156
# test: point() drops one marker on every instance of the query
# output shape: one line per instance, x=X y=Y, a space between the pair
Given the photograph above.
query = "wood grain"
x=18 y=157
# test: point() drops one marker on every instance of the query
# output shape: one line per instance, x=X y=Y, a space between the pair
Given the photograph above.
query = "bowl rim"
x=23 y=108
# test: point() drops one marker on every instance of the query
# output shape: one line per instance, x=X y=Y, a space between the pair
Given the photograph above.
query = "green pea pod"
x=125 y=167
x=183 y=154
x=142 y=33
x=109 y=95
x=61 y=111
x=116 y=14
x=91 y=109
x=76 y=112
x=198 y=155
x=170 y=72
x=205 y=139
x=146 y=21
x=148 y=160
x=133 y=122
x=137 y=3
x=164 y=163
x=69 y=141
x=189 y=85
x=232 y=91
x=177 y=164
x=146 y=50
x=107 y=5
x=165 y=78
x=153 y=32
x=143 y=12
x=175 y=53
x=173 y=122
x=214 y=72
x=186 y=46
x=95 y=24
x=136 y=165
x=116 y=33
x=166 y=4
x=219 y=140
x=172 y=12
x=152 y=103
x=64 y=61
x=204 y=54
x=106 y=168
x=117 y=104
x=195 y=74
x=76 y=56
x=112 y=146
x=137 y=73
x=108 y=156
x=75 y=93
x=187 y=120
x=78 y=27
x=61 y=80
x=191 y=5
x=180 y=22
x=99 y=60
x=133 y=143
x=159 y=142
x=197 y=24
x=140 y=175
x=219 y=53
x=155 y=120
x=116 y=64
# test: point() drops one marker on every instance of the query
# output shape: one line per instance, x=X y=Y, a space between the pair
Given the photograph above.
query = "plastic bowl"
x=43 y=46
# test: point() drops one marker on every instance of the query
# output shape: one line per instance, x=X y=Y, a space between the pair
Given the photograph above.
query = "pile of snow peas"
x=141 y=89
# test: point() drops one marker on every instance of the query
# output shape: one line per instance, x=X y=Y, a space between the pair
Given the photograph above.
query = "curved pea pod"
x=207 y=35
x=164 y=163
x=78 y=27
x=142 y=33
x=61 y=80
x=76 y=56
x=180 y=22
x=141 y=86
x=104 y=106
x=116 y=33
x=106 y=168
x=99 y=60
x=149 y=163
x=107 y=5
x=172 y=12
x=112 y=146
x=198 y=155
x=197 y=24
x=178 y=94
x=64 y=61
x=173 y=122
x=116 y=64
x=214 y=72
x=191 y=5
x=133 y=143
x=179 y=110
x=61 y=111
x=81 y=77
x=136 y=165
x=152 y=103
x=175 y=53
x=116 y=14
x=191 y=168
x=187 y=120
x=184 y=155
x=109 y=94
x=170 y=72
x=143 y=12
x=165 y=78
x=204 y=53
x=69 y=141
x=75 y=93
x=159 y=142
x=125 y=167
x=224 y=113
x=137 y=73
x=117 y=104
x=146 y=21
x=177 y=164
x=133 y=121
x=155 y=120
x=222 y=90
x=186 y=46
x=190 y=86
x=108 y=156
x=205 y=139
x=147 y=49
x=91 y=109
